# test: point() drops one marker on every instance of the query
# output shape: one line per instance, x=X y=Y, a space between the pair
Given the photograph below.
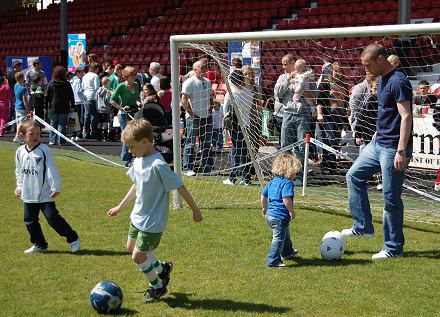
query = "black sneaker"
x=153 y=294
x=167 y=267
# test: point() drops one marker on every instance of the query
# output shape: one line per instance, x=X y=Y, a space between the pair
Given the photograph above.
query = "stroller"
x=162 y=131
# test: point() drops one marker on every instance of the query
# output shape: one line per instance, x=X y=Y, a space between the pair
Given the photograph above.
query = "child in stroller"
x=162 y=131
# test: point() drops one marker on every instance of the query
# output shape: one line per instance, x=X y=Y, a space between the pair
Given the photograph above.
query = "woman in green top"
x=126 y=99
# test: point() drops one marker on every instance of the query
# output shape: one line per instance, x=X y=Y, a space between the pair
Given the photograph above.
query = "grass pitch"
x=219 y=264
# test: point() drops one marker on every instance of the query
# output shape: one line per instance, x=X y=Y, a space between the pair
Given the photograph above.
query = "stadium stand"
x=137 y=32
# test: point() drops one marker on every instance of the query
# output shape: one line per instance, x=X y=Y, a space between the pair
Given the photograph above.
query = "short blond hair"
x=105 y=79
x=129 y=70
x=300 y=63
x=136 y=130
x=286 y=165
x=27 y=124
x=393 y=60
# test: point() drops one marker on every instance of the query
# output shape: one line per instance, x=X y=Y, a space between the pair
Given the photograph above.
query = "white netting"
x=331 y=154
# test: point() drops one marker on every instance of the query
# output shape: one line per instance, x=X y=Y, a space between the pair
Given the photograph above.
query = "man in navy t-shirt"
x=389 y=153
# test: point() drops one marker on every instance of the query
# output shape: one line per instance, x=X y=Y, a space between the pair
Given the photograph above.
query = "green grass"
x=219 y=264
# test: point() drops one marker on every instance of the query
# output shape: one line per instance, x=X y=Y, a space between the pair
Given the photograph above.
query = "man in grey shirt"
x=197 y=100
x=32 y=75
x=358 y=94
x=297 y=117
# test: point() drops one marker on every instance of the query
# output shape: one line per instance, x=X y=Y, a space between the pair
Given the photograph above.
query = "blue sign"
x=250 y=54
x=76 y=51
x=27 y=63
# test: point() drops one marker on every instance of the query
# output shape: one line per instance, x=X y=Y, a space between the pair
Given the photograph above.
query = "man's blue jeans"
x=372 y=159
x=90 y=119
x=281 y=244
x=58 y=121
x=125 y=155
x=294 y=129
x=201 y=128
x=328 y=137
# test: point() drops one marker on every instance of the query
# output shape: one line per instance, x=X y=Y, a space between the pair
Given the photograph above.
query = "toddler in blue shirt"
x=277 y=203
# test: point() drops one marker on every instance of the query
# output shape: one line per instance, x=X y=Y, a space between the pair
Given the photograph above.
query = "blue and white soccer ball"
x=106 y=297
x=332 y=248
x=337 y=235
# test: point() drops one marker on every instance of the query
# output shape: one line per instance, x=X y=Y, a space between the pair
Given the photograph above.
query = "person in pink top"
x=166 y=97
x=6 y=102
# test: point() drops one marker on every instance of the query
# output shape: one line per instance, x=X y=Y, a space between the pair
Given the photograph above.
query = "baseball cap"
x=17 y=62
x=36 y=61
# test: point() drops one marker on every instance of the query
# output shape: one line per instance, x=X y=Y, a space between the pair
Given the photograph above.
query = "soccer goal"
x=248 y=156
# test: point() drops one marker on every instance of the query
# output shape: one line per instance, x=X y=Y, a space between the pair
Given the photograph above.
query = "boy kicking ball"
x=152 y=181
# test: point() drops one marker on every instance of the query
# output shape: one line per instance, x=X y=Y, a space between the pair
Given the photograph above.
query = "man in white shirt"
x=90 y=84
x=197 y=100
x=155 y=75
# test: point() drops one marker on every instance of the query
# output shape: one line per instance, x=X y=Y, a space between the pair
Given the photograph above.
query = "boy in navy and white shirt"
x=38 y=183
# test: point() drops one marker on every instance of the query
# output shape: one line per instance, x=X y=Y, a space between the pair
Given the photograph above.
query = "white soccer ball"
x=335 y=234
x=332 y=248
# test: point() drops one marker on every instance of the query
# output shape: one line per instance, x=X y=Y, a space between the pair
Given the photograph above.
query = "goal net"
x=245 y=75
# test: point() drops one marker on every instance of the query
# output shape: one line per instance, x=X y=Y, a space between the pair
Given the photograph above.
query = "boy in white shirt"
x=38 y=183
x=152 y=181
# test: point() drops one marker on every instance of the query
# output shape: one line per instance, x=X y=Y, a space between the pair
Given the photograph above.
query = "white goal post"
x=179 y=42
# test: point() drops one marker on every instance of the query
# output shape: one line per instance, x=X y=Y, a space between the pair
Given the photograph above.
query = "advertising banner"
x=76 y=51
x=27 y=63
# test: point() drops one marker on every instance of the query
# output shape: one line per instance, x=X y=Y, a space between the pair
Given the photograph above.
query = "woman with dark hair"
x=6 y=102
x=165 y=96
x=149 y=94
x=60 y=99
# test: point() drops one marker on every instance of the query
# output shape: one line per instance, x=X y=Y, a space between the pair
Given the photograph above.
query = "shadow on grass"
x=346 y=215
x=183 y=300
x=93 y=252
x=126 y=312
x=429 y=254
x=299 y=262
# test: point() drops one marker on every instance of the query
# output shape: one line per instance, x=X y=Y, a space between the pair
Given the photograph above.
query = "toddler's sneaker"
x=153 y=294
x=75 y=245
x=385 y=255
x=228 y=182
x=355 y=234
x=35 y=249
x=291 y=256
x=167 y=267
x=245 y=183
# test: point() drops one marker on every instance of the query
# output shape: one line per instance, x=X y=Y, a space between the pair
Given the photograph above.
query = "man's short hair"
x=374 y=51
x=36 y=61
x=155 y=66
x=119 y=67
x=424 y=83
x=237 y=62
x=289 y=57
x=17 y=63
x=136 y=130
